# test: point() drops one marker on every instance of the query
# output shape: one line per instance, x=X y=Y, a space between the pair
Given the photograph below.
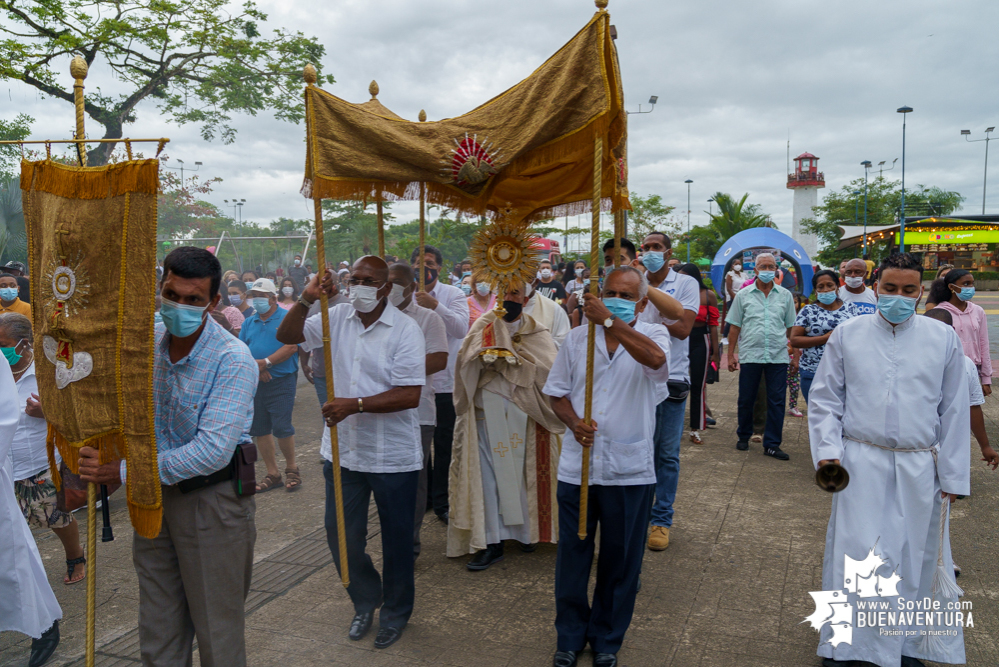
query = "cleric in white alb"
x=890 y=403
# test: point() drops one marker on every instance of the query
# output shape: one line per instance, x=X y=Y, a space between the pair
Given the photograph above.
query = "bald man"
x=854 y=290
x=379 y=369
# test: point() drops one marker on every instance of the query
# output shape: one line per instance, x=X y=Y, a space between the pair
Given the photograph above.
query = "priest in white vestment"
x=548 y=314
x=505 y=458
x=27 y=604
x=890 y=403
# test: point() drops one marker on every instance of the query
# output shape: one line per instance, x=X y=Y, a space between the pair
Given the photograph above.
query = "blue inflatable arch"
x=757 y=239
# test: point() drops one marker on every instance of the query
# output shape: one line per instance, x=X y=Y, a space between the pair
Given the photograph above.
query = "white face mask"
x=397 y=295
x=546 y=273
x=483 y=288
x=364 y=298
x=287 y=291
x=737 y=268
x=854 y=281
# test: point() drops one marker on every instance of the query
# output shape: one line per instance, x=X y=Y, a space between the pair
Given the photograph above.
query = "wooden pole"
x=381 y=227
x=423 y=226
x=317 y=203
x=584 y=481
x=618 y=233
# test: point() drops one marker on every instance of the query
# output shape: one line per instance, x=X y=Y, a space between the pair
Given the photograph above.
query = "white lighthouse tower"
x=805 y=181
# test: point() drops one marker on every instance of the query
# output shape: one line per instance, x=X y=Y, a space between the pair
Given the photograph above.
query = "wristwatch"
x=267 y=362
x=609 y=322
x=305 y=302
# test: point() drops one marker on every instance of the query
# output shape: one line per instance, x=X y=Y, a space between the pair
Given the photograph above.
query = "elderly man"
x=761 y=318
x=504 y=459
x=275 y=397
x=403 y=287
x=194 y=576
x=379 y=367
x=854 y=290
x=896 y=417
x=630 y=372
x=452 y=305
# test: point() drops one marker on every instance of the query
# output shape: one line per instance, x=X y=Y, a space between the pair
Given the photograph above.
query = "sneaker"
x=742 y=445
x=658 y=538
x=695 y=438
x=957 y=570
x=795 y=412
x=776 y=452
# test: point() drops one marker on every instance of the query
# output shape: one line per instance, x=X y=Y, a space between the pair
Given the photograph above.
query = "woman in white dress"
x=27 y=604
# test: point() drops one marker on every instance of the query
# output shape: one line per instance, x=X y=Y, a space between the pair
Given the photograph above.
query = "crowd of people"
x=456 y=397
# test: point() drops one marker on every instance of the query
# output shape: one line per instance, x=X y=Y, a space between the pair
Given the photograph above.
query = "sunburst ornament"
x=472 y=163
x=504 y=254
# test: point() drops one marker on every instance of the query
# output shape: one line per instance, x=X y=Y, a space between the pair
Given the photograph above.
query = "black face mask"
x=430 y=275
x=513 y=310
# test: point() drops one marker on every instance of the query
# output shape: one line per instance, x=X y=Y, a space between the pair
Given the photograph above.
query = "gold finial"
x=310 y=74
x=78 y=68
x=422 y=116
x=601 y=4
x=373 y=89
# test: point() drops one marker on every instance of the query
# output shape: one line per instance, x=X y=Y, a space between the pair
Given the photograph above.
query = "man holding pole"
x=630 y=372
x=379 y=368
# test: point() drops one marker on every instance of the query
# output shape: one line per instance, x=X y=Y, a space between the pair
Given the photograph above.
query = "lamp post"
x=901 y=236
x=197 y=165
x=710 y=210
x=237 y=205
x=987 y=139
x=856 y=213
x=652 y=101
x=688 y=182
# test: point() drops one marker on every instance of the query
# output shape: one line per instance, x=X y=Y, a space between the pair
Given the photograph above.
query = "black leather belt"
x=201 y=481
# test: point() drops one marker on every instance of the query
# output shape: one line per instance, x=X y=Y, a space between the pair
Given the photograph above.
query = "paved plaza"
x=732 y=589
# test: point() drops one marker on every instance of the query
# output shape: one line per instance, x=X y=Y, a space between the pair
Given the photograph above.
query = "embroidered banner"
x=92 y=254
x=525 y=154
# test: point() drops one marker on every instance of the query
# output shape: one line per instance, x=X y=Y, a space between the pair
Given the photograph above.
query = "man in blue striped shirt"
x=194 y=576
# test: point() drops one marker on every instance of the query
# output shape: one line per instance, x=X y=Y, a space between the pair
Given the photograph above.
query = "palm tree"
x=13 y=236
x=732 y=217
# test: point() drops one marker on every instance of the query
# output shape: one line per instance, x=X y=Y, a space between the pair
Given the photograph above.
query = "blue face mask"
x=828 y=298
x=766 y=276
x=235 y=299
x=249 y=286
x=8 y=293
x=896 y=309
x=261 y=304
x=621 y=308
x=966 y=294
x=181 y=320
x=653 y=261
x=467 y=289
x=466 y=273
x=157 y=317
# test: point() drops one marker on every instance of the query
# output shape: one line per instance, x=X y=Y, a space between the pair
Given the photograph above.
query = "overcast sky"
x=733 y=79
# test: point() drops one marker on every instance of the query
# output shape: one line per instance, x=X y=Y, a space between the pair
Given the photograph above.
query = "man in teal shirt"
x=275 y=396
x=761 y=318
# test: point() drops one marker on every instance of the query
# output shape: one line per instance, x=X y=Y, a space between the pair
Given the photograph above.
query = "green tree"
x=183 y=211
x=733 y=217
x=650 y=214
x=201 y=60
x=13 y=237
x=13 y=130
x=884 y=199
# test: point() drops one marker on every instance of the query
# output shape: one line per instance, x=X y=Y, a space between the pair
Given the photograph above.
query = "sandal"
x=294 y=479
x=695 y=438
x=71 y=564
x=269 y=483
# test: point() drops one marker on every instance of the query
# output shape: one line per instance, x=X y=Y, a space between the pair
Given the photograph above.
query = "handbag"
x=678 y=390
x=73 y=494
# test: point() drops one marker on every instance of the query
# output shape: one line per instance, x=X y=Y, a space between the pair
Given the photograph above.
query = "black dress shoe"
x=639 y=587
x=742 y=445
x=360 y=625
x=528 y=548
x=605 y=660
x=493 y=553
x=43 y=647
x=564 y=659
x=387 y=636
x=909 y=661
x=776 y=452
x=444 y=517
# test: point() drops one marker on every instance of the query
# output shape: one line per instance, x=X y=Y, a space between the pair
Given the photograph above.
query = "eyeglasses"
x=365 y=282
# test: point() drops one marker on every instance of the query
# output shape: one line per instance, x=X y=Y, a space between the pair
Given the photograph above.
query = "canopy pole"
x=381 y=227
x=423 y=239
x=587 y=453
x=317 y=203
x=618 y=233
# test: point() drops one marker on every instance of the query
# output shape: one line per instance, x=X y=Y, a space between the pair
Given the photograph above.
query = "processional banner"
x=92 y=251
x=526 y=154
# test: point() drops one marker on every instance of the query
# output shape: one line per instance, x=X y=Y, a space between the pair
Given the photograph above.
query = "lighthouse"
x=805 y=181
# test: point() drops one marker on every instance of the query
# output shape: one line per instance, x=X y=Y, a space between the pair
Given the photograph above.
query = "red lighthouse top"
x=806 y=173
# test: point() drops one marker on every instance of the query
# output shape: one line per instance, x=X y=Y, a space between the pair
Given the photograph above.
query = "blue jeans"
x=669 y=431
x=806 y=383
x=749 y=385
x=320 y=385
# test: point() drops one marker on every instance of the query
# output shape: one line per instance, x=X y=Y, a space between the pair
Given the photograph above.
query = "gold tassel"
x=112 y=180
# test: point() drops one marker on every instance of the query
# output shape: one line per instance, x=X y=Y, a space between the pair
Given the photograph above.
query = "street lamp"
x=197 y=165
x=652 y=101
x=688 y=182
x=866 y=164
x=985 y=181
x=881 y=167
x=710 y=211
x=237 y=205
x=856 y=207
x=901 y=236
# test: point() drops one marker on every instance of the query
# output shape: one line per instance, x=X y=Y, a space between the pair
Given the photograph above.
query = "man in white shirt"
x=855 y=291
x=379 y=368
x=452 y=305
x=656 y=251
x=403 y=286
x=629 y=376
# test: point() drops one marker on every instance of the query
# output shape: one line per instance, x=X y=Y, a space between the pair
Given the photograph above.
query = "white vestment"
x=903 y=389
x=27 y=604
x=550 y=315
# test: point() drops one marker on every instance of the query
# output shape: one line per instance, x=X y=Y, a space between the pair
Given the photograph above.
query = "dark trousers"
x=395 y=494
x=776 y=389
x=622 y=513
x=700 y=342
x=443 y=439
x=426 y=437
